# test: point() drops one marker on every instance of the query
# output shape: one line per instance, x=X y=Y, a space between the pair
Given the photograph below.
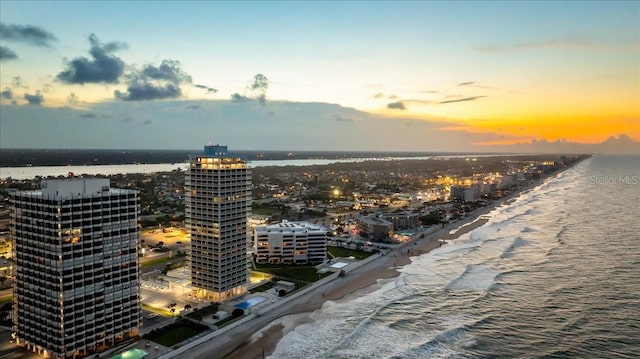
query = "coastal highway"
x=224 y=344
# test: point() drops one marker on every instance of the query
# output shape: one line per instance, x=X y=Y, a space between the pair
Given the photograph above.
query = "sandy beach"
x=363 y=279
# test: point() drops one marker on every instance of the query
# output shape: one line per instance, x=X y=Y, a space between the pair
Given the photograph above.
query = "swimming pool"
x=250 y=302
x=131 y=354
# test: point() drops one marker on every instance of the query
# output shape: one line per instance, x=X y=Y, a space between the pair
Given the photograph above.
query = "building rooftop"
x=375 y=220
x=286 y=226
x=73 y=188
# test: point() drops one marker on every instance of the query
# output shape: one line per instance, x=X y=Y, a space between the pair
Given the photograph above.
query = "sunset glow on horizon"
x=478 y=73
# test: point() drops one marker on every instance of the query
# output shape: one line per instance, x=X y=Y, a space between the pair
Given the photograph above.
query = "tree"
x=282 y=293
x=3 y=279
x=237 y=313
x=187 y=307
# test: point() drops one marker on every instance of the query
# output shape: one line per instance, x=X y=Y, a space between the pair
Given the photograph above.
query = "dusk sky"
x=423 y=76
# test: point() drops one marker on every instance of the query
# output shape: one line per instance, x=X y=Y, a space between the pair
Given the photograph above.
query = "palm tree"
x=2 y=280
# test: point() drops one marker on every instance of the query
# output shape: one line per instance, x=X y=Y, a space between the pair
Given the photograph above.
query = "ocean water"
x=556 y=274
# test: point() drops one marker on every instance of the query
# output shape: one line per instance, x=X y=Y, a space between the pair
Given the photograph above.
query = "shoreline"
x=264 y=339
x=262 y=332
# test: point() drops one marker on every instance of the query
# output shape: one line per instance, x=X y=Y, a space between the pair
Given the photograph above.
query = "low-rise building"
x=456 y=193
x=471 y=194
x=403 y=220
x=376 y=227
x=290 y=243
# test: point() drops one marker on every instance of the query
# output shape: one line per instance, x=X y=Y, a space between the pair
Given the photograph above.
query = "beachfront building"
x=76 y=264
x=507 y=181
x=377 y=228
x=217 y=204
x=290 y=243
x=456 y=193
x=471 y=194
x=403 y=220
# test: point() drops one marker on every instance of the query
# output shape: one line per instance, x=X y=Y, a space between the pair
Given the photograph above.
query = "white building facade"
x=290 y=243
x=217 y=204
x=76 y=264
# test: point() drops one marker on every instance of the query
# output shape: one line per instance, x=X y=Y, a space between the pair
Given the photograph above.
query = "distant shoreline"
x=262 y=334
x=32 y=172
x=10 y=157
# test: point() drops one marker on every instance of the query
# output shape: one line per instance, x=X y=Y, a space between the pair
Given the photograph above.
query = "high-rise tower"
x=76 y=290
x=217 y=202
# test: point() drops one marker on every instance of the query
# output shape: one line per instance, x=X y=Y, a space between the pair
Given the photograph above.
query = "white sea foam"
x=517 y=242
x=475 y=277
x=362 y=327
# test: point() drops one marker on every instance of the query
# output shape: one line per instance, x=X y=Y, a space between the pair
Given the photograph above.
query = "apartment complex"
x=217 y=204
x=76 y=264
x=377 y=228
x=290 y=243
x=403 y=220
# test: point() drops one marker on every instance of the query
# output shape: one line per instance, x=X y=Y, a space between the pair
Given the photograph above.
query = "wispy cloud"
x=548 y=44
x=73 y=99
x=257 y=90
x=26 y=34
x=236 y=97
x=396 y=105
x=420 y=101
x=473 y=98
x=344 y=119
x=17 y=82
x=7 y=54
x=206 y=88
x=260 y=85
x=477 y=85
x=7 y=93
x=35 y=99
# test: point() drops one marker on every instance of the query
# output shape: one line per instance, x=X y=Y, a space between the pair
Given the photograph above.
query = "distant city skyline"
x=403 y=76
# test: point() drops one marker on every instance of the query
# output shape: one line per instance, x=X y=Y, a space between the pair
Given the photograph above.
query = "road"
x=9 y=350
x=160 y=266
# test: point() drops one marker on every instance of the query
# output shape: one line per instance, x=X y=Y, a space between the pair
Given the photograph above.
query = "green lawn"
x=198 y=314
x=263 y=288
x=226 y=321
x=155 y=261
x=265 y=211
x=175 y=333
x=346 y=252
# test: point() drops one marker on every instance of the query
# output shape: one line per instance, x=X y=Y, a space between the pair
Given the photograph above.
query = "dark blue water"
x=556 y=274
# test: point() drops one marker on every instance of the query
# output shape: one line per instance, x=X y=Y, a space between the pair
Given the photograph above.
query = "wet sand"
x=354 y=284
x=269 y=329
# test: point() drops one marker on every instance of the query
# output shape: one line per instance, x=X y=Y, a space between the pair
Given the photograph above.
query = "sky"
x=493 y=76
